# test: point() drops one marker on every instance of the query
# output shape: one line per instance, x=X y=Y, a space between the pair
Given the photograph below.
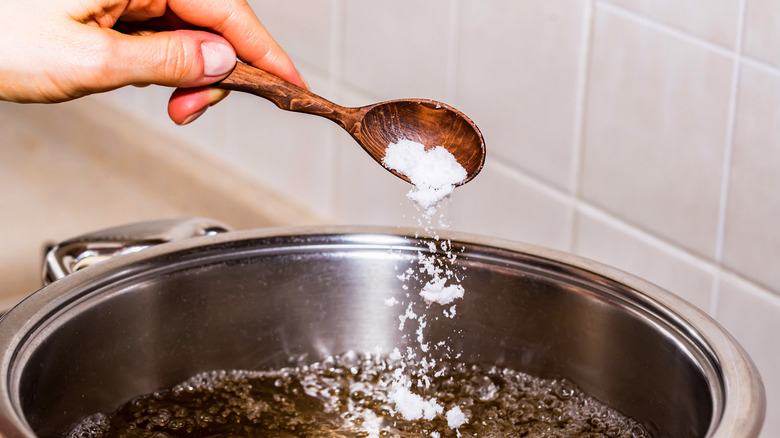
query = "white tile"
x=501 y=203
x=655 y=130
x=397 y=49
x=715 y=21
x=752 y=316
x=762 y=31
x=289 y=152
x=302 y=27
x=752 y=236
x=517 y=78
x=606 y=240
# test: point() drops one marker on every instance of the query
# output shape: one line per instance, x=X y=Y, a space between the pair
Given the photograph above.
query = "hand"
x=58 y=50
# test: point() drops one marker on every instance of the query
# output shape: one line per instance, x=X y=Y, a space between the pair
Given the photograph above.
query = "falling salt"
x=455 y=418
x=438 y=291
x=371 y=423
x=434 y=173
x=450 y=313
x=412 y=406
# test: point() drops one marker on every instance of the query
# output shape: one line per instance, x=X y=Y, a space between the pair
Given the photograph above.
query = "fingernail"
x=218 y=58
x=216 y=95
x=194 y=116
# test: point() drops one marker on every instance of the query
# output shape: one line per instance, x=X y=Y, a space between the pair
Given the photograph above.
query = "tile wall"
x=641 y=133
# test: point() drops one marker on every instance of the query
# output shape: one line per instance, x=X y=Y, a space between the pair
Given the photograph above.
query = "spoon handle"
x=285 y=95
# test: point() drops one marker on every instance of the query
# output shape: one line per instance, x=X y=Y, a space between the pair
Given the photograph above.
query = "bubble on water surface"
x=351 y=396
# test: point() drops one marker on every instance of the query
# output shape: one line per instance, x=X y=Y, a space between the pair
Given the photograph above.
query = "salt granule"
x=436 y=291
x=456 y=418
x=434 y=173
x=412 y=406
x=371 y=423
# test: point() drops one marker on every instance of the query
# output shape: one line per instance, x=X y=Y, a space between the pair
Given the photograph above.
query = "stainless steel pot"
x=264 y=299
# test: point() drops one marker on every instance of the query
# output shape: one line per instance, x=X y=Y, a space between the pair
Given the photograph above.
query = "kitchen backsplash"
x=640 y=133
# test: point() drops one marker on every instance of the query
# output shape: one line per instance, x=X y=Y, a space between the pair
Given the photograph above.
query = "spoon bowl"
x=374 y=127
x=424 y=121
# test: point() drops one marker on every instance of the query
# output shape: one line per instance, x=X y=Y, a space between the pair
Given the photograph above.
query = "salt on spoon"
x=434 y=173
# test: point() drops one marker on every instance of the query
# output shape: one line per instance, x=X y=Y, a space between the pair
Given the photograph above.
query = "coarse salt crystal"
x=436 y=291
x=371 y=423
x=434 y=173
x=456 y=418
x=412 y=406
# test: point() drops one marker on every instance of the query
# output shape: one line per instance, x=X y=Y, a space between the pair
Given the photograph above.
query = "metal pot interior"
x=141 y=322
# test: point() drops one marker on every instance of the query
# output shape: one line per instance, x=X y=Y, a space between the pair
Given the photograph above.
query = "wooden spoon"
x=375 y=126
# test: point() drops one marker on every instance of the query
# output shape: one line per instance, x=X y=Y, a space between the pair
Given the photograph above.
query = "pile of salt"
x=434 y=173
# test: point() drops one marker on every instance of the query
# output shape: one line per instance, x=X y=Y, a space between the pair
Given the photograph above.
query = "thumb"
x=180 y=58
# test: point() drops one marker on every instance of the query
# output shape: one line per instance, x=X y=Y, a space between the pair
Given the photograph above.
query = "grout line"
x=617 y=223
x=727 y=155
x=754 y=288
x=561 y=195
x=578 y=140
x=532 y=181
x=719 y=272
x=760 y=65
x=453 y=50
x=665 y=28
x=648 y=238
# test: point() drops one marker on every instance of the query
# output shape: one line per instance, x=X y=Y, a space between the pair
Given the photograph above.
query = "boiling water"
x=349 y=396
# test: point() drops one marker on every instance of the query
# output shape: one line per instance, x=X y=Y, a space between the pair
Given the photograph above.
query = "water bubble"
x=176 y=424
x=349 y=396
x=486 y=390
x=161 y=418
x=564 y=389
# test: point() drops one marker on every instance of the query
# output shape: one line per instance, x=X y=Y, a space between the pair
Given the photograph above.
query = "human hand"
x=58 y=50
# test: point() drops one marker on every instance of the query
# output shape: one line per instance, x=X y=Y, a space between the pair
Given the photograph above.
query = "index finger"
x=236 y=21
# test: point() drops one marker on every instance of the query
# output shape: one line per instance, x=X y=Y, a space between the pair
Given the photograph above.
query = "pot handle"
x=79 y=252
